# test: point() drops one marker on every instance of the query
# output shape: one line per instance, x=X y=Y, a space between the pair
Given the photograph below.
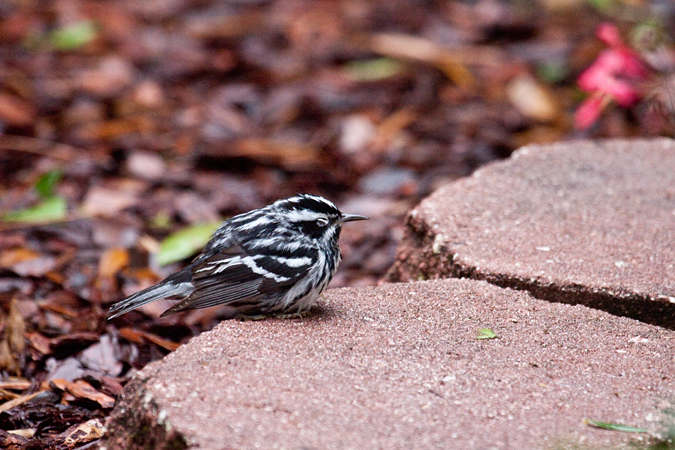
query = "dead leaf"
x=103 y=357
x=532 y=99
x=15 y=111
x=39 y=342
x=20 y=384
x=81 y=340
x=139 y=336
x=12 y=441
x=82 y=389
x=131 y=335
x=205 y=27
x=12 y=339
x=18 y=401
x=61 y=309
x=292 y=155
x=111 y=385
x=111 y=199
x=12 y=256
x=391 y=127
x=450 y=60
x=112 y=261
x=146 y=165
x=82 y=433
x=37 y=267
x=7 y=395
x=24 y=432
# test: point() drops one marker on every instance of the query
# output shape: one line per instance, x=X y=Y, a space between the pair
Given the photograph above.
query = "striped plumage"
x=273 y=260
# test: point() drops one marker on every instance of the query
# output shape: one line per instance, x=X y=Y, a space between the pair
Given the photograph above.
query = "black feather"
x=275 y=259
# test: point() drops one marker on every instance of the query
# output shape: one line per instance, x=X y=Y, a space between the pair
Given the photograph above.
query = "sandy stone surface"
x=399 y=367
x=576 y=222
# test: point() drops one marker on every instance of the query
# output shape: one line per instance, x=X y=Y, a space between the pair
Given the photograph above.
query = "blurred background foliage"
x=129 y=128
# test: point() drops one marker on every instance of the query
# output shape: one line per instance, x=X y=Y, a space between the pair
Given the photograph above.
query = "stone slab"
x=577 y=222
x=399 y=367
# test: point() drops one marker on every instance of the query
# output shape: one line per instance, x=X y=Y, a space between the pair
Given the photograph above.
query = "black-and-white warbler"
x=273 y=260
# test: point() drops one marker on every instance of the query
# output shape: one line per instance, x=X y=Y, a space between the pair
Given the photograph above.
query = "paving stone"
x=399 y=367
x=576 y=222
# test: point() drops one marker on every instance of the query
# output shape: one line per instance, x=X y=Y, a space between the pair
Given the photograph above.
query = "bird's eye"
x=322 y=221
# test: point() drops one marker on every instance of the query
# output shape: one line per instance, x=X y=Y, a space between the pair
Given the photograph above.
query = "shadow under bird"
x=275 y=260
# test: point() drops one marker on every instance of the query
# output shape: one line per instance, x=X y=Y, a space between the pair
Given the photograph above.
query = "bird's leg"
x=246 y=318
x=297 y=315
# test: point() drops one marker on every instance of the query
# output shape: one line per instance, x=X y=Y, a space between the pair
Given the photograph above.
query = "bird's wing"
x=234 y=277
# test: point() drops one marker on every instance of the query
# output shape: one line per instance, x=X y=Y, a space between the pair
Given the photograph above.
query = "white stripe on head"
x=303 y=215
x=321 y=199
x=300 y=197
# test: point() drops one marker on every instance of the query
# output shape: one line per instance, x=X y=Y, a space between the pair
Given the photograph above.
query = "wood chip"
x=18 y=401
x=24 y=432
x=20 y=384
x=112 y=261
x=139 y=336
x=82 y=389
x=82 y=433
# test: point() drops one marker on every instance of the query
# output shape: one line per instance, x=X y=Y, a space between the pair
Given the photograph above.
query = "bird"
x=272 y=261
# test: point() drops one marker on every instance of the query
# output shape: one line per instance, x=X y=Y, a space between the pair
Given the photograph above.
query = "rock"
x=576 y=222
x=399 y=367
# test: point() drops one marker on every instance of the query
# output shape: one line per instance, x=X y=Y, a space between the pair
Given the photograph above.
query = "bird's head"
x=314 y=216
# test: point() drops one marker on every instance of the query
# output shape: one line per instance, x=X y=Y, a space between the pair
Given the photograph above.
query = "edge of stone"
x=431 y=254
x=141 y=414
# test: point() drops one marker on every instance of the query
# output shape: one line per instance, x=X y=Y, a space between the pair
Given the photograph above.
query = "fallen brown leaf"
x=82 y=433
x=15 y=111
x=12 y=339
x=111 y=199
x=11 y=441
x=7 y=395
x=40 y=343
x=139 y=336
x=61 y=309
x=20 y=384
x=391 y=127
x=27 y=262
x=112 y=261
x=12 y=256
x=82 y=389
x=24 y=432
x=111 y=385
x=292 y=155
x=18 y=401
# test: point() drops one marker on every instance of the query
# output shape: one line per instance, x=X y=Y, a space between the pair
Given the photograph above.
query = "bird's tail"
x=177 y=285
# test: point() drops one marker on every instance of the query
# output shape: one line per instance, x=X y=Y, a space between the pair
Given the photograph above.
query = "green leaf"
x=73 y=36
x=553 y=71
x=486 y=333
x=605 y=6
x=161 y=220
x=373 y=69
x=48 y=210
x=184 y=243
x=616 y=427
x=47 y=183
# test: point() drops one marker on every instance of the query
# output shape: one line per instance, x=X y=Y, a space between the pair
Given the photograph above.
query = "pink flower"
x=613 y=76
x=589 y=111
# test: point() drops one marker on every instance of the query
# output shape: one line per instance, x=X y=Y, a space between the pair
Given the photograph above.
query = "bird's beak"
x=351 y=218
